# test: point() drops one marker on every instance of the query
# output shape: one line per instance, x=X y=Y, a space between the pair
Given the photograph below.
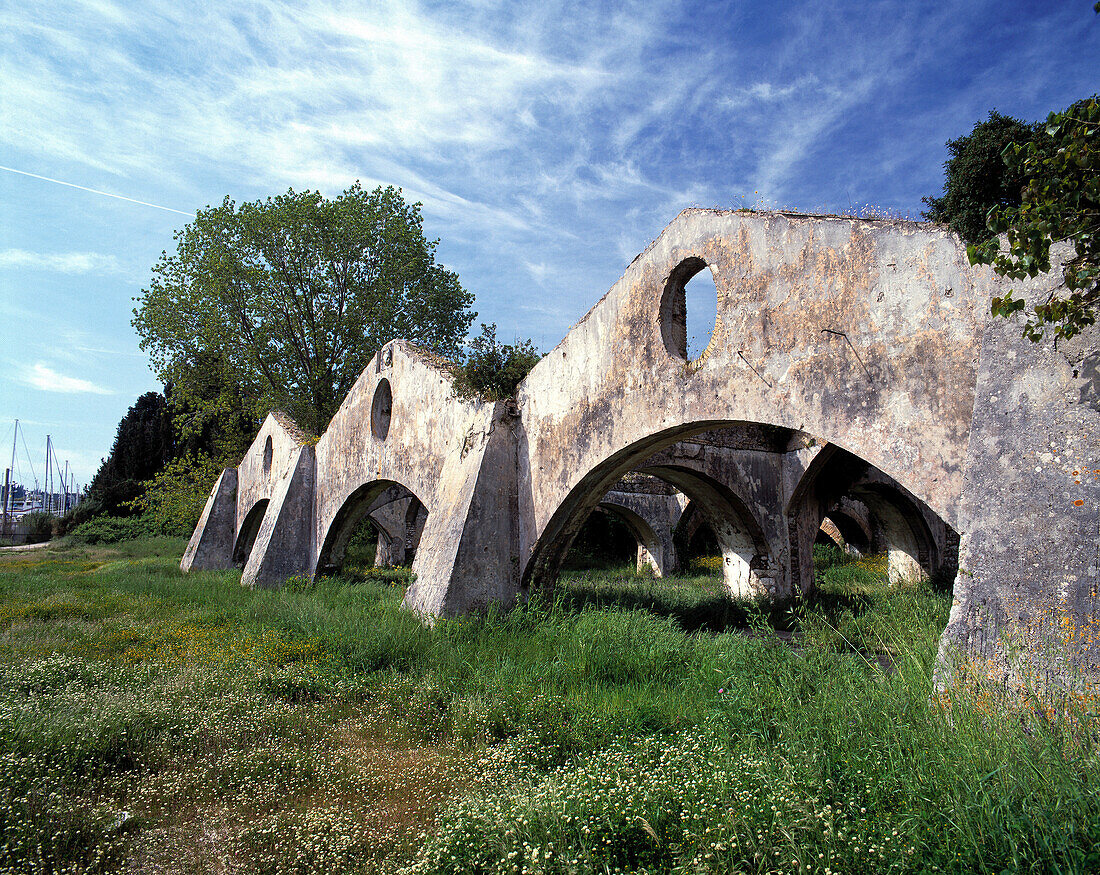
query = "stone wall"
x=853 y=368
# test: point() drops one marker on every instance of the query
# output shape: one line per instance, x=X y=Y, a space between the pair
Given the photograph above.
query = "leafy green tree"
x=295 y=294
x=1060 y=203
x=978 y=178
x=492 y=370
x=212 y=414
x=173 y=499
x=213 y=422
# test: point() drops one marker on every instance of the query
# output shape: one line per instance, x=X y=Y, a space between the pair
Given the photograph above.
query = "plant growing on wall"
x=1060 y=203
x=492 y=370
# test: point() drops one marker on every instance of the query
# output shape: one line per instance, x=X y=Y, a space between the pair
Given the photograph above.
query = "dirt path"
x=24 y=547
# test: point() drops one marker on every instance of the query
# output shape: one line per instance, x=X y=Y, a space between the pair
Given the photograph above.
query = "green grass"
x=154 y=721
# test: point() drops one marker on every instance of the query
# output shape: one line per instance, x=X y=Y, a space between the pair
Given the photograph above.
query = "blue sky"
x=549 y=142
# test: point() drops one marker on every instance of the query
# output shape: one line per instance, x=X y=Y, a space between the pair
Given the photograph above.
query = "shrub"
x=108 y=530
x=493 y=370
x=977 y=177
x=40 y=526
x=174 y=499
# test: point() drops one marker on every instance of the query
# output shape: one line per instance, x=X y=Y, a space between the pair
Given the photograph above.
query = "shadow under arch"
x=746 y=563
x=747 y=566
x=362 y=502
x=689 y=524
x=911 y=548
x=250 y=528
x=902 y=520
x=650 y=552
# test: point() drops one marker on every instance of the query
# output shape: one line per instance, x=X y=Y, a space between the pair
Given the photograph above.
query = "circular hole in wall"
x=381 y=410
x=689 y=309
x=267 y=454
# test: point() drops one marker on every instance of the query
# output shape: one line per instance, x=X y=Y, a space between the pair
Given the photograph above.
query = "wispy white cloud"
x=534 y=133
x=43 y=377
x=538 y=270
x=792 y=141
x=61 y=262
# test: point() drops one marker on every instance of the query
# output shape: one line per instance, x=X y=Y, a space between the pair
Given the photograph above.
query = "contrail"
x=93 y=190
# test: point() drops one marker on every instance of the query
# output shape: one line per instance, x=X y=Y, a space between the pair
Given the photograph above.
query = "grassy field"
x=156 y=722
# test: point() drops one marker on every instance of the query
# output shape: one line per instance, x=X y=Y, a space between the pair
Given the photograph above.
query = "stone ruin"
x=854 y=385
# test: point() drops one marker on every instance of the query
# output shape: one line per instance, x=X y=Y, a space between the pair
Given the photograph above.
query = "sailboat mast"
x=8 y=496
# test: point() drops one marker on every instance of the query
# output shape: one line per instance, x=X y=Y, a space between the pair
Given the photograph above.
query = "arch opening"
x=854 y=522
x=367 y=545
x=246 y=536
x=749 y=568
x=694 y=539
x=648 y=554
x=828 y=533
x=382 y=504
x=605 y=541
x=910 y=545
x=875 y=512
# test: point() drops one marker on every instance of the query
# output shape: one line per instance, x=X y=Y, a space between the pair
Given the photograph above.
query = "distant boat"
x=28 y=505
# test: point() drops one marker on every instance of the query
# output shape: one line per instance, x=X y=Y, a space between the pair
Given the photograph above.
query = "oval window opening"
x=701 y=303
x=381 y=410
x=267 y=454
x=689 y=309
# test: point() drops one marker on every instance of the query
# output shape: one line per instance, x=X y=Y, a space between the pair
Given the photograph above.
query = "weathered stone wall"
x=896 y=388
x=852 y=361
x=1026 y=604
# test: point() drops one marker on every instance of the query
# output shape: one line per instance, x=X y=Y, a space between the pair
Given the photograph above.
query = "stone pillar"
x=282 y=547
x=211 y=544
x=468 y=557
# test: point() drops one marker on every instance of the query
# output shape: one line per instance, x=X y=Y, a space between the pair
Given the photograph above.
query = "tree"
x=295 y=294
x=212 y=414
x=143 y=445
x=978 y=178
x=213 y=423
x=492 y=370
x=1060 y=203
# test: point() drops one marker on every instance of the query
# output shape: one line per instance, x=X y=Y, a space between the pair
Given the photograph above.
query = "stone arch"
x=854 y=522
x=650 y=550
x=389 y=549
x=910 y=544
x=416 y=517
x=361 y=502
x=748 y=567
x=691 y=520
x=389 y=523
x=246 y=535
x=828 y=532
x=836 y=482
